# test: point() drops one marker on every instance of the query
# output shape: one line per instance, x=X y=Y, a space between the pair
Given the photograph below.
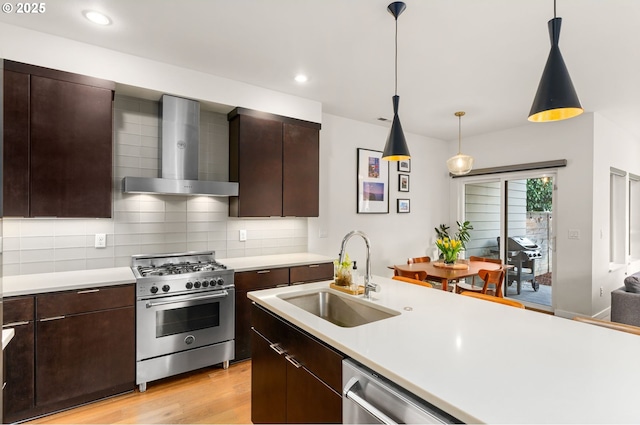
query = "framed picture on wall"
x=373 y=183
x=404 y=206
x=404 y=165
x=403 y=182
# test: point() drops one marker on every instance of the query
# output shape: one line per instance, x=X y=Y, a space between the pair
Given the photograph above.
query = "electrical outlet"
x=101 y=240
x=574 y=234
x=601 y=291
x=243 y=235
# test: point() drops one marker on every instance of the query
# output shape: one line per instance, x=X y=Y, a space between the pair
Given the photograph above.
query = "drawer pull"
x=313 y=266
x=298 y=283
x=263 y=271
x=282 y=285
x=48 y=319
x=14 y=324
x=275 y=347
x=293 y=361
x=88 y=291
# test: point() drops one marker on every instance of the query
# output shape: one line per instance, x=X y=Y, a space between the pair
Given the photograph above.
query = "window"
x=617 y=219
x=634 y=217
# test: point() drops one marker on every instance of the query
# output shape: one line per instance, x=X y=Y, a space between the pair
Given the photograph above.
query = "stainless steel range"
x=185 y=314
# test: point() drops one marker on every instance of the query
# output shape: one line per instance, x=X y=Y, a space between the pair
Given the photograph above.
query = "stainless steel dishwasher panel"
x=368 y=399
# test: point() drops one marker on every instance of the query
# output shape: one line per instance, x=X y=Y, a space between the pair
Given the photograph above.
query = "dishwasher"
x=369 y=398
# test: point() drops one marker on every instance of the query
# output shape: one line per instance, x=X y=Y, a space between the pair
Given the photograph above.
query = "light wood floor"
x=211 y=395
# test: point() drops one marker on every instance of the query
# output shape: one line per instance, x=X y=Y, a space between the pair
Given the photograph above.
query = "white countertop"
x=7 y=336
x=241 y=264
x=29 y=284
x=485 y=362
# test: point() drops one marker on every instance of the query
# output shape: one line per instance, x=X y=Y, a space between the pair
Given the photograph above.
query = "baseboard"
x=602 y=315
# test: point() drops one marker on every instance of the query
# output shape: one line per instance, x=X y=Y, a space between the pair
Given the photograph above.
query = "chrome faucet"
x=368 y=284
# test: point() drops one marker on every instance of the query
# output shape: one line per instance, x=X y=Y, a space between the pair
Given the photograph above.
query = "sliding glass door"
x=512 y=218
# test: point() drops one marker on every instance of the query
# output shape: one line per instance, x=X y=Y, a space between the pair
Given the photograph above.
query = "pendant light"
x=396 y=147
x=460 y=164
x=556 y=99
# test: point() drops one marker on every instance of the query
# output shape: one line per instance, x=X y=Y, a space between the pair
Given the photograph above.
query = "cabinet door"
x=268 y=383
x=250 y=281
x=310 y=273
x=71 y=149
x=301 y=171
x=16 y=144
x=84 y=357
x=309 y=400
x=256 y=163
x=19 y=394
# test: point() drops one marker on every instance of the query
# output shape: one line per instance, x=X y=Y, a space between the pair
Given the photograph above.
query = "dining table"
x=438 y=271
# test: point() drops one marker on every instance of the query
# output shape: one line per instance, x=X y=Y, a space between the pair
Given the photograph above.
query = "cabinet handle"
x=282 y=285
x=263 y=271
x=88 y=291
x=298 y=283
x=313 y=266
x=47 y=319
x=293 y=361
x=14 y=324
x=275 y=347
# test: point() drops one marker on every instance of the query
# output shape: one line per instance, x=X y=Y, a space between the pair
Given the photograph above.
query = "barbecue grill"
x=522 y=254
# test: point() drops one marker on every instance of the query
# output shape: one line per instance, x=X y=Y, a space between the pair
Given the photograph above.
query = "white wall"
x=23 y=45
x=613 y=147
x=571 y=140
x=394 y=237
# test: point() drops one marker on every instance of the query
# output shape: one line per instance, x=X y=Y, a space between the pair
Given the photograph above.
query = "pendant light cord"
x=554 y=9
x=459 y=134
x=396 y=60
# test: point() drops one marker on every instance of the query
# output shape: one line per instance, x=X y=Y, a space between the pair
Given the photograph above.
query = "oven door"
x=166 y=325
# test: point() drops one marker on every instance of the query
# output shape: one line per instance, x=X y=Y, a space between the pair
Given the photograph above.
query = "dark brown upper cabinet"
x=58 y=143
x=276 y=160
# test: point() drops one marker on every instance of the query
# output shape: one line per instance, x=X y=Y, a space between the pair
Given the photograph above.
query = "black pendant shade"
x=396 y=148
x=556 y=98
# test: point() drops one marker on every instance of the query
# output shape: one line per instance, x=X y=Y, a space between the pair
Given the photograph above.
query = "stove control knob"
x=205 y=283
x=196 y=285
x=189 y=285
x=165 y=288
x=154 y=289
x=220 y=281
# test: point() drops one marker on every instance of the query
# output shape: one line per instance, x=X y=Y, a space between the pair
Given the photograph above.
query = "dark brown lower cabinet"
x=19 y=393
x=294 y=377
x=81 y=349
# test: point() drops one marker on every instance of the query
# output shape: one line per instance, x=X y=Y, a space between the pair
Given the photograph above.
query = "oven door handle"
x=206 y=297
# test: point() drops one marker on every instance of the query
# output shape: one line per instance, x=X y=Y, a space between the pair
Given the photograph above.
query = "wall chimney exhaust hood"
x=180 y=134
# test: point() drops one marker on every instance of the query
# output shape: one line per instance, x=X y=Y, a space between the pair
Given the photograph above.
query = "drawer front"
x=260 y=279
x=311 y=273
x=84 y=300
x=19 y=309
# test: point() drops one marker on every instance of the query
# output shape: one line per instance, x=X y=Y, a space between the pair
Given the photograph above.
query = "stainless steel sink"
x=339 y=310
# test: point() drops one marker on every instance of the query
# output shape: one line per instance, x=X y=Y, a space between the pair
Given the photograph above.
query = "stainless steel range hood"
x=179 y=155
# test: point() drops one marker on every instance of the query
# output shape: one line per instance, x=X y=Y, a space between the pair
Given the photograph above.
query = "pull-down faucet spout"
x=368 y=284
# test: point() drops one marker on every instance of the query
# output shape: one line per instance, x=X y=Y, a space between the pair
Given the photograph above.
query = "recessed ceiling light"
x=301 y=78
x=96 y=17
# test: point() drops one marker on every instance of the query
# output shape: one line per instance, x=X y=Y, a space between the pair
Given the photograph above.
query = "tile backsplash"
x=146 y=224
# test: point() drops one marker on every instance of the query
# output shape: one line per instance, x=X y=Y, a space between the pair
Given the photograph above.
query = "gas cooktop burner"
x=179 y=268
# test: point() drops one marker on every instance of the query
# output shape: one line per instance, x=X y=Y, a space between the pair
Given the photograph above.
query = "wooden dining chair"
x=486 y=260
x=418 y=274
x=418 y=260
x=491 y=298
x=611 y=325
x=414 y=281
x=490 y=277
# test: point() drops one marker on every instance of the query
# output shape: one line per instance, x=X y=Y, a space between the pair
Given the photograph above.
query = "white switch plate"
x=574 y=234
x=101 y=240
x=243 y=235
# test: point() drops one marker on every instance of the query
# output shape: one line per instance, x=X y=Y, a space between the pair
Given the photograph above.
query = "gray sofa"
x=625 y=301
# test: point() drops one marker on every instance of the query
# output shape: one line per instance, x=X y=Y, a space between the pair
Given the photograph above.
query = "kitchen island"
x=483 y=362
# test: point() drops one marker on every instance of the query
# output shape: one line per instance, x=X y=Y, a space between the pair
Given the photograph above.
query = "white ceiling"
x=481 y=56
